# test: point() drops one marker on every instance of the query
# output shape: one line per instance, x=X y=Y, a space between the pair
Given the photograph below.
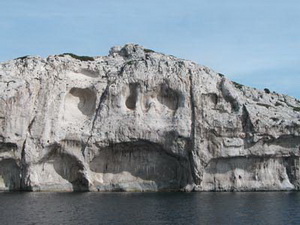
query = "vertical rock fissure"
x=248 y=128
x=192 y=139
x=23 y=165
x=30 y=125
x=23 y=168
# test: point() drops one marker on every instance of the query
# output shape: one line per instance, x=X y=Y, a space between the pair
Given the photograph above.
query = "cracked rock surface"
x=137 y=120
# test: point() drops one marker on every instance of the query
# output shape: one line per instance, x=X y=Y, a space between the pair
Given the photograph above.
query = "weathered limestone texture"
x=137 y=120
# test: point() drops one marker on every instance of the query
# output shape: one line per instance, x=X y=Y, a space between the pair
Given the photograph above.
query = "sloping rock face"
x=137 y=120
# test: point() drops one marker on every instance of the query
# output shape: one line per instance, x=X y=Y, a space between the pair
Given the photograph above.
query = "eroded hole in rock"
x=211 y=99
x=68 y=167
x=9 y=175
x=292 y=164
x=229 y=95
x=168 y=97
x=133 y=94
x=79 y=102
x=71 y=169
x=8 y=146
x=142 y=160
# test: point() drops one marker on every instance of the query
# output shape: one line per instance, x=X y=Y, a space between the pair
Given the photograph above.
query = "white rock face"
x=137 y=120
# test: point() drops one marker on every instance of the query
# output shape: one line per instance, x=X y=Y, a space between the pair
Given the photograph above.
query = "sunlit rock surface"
x=137 y=120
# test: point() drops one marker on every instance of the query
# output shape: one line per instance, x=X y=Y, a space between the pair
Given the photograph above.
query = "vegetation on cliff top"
x=81 y=58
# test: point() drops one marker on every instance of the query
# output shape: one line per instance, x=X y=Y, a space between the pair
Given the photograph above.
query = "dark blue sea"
x=150 y=208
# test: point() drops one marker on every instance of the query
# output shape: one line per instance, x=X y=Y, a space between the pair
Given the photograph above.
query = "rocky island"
x=138 y=120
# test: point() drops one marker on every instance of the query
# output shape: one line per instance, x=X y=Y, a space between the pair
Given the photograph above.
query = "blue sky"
x=255 y=42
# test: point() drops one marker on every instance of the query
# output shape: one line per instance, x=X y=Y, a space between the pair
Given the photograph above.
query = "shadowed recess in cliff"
x=292 y=168
x=9 y=175
x=168 y=97
x=133 y=94
x=7 y=146
x=145 y=160
x=68 y=167
x=241 y=173
x=286 y=141
x=248 y=128
x=229 y=96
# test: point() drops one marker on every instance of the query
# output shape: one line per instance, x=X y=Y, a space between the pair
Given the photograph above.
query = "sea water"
x=150 y=208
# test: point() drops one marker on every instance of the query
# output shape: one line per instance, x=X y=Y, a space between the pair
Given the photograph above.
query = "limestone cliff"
x=137 y=120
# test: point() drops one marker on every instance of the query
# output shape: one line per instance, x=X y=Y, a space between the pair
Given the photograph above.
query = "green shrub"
x=278 y=104
x=146 y=50
x=130 y=62
x=237 y=85
x=263 y=104
x=274 y=119
x=81 y=58
x=267 y=91
x=22 y=57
